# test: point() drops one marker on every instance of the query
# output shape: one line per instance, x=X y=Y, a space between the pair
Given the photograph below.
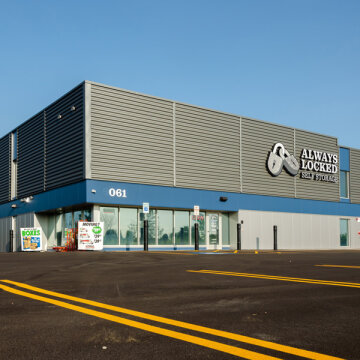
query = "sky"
x=292 y=62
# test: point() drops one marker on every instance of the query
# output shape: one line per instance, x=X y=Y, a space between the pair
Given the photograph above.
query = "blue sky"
x=293 y=62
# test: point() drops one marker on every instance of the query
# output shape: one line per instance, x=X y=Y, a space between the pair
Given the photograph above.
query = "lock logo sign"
x=280 y=158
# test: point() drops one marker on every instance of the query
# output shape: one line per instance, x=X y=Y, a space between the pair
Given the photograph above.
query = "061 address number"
x=117 y=192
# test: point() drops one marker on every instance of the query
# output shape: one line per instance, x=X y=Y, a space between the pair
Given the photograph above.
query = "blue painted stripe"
x=180 y=198
x=97 y=192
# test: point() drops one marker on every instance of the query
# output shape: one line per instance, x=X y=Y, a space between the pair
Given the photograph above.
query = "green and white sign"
x=31 y=239
x=90 y=235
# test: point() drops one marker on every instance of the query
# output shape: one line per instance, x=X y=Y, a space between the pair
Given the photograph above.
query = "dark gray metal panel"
x=355 y=176
x=257 y=140
x=207 y=146
x=5 y=166
x=64 y=147
x=22 y=221
x=311 y=189
x=131 y=137
x=5 y=227
x=31 y=156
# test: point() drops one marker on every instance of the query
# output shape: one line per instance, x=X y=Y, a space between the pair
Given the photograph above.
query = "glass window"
x=344 y=232
x=182 y=227
x=165 y=227
x=58 y=228
x=87 y=215
x=200 y=219
x=110 y=217
x=128 y=226
x=15 y=146
x=344 y=184
x=151 y=218
x=225 y=229
x=68 y=233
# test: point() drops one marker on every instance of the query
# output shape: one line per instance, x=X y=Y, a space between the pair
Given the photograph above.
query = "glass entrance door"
x=213 y=238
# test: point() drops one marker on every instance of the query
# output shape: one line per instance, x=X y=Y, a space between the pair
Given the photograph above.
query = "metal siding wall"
x=5 y=227
x=131 y=137
x=207 y=149
x=22 y=221
x=65 y=140
x=257 y=140
x=311 y=189
x=5 y=165
x=31 y=162
x=355 y=176
x=295 y=231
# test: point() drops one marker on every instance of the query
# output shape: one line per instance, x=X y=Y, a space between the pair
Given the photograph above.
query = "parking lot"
x=180 y=305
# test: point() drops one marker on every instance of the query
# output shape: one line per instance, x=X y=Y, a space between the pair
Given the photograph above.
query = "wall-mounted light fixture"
x=27 y=199
x=14 y=206
x=73 y=108
x=223 y=198
x=93 y=191
x=59 y=116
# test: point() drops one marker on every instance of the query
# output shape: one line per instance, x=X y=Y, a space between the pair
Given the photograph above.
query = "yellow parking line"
x=282 y=278
x=246 y=354
x=341 y=266
x=180 y=324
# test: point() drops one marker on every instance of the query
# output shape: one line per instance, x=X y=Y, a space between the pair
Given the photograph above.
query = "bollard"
x=146 y=235
x=196 y=236
x=275 y=237
x=238 y=236
x=11 y=236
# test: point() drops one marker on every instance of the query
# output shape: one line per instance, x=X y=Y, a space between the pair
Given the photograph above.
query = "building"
x=99 y=152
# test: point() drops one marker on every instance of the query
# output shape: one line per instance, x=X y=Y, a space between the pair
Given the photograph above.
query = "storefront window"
x=200 y=219
x=151 y=218
x=225 y=229
x=344 y=232
x=128 y=226
x=87 y=215
x=110 y=217
x=182 y=227
x=165 y=227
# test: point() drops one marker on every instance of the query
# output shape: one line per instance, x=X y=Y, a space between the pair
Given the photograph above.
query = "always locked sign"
x=280 y=158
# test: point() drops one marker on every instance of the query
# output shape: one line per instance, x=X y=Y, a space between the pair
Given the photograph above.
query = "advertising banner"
x=30 y=239
x=90 y=235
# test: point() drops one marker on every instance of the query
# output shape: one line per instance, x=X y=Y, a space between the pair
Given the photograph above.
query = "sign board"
x=90 y=235
x=31 y=239
x=146 y=208
x=196 y=210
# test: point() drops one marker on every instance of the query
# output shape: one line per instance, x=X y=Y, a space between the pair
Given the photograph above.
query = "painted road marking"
x=198 y=328
x=341 y=266
x=282 y=278
x=170 y=252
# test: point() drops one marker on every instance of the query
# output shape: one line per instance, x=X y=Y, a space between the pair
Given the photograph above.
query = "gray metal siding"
x=258 y=139
x=207 y=147
x=31 y=162
x=64 y=148
x=355 y=176
x=131 y=137
x=5 y=227
x=22 y=221
x=5 y=166
x=311 y=189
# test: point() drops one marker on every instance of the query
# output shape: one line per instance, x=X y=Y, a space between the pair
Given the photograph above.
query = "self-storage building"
x=99 y=152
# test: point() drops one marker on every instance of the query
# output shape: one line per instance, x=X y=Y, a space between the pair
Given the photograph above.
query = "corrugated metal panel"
x=131 y=137
x=311 y=189
x=5 y=227
x=355 y=176
x=257 y=140
x=31 y=162
x=207 y=149
x=65 y=140
x=5 y=166
x=23 y=221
